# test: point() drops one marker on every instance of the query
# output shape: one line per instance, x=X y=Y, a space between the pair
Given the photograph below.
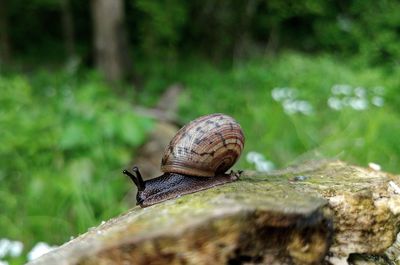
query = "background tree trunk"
x=68 y=28
x=5 y=45
x=110 y=41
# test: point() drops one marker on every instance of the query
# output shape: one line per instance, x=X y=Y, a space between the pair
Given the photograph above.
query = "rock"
x=150 y=154
x=317 y=213
x=393 y=253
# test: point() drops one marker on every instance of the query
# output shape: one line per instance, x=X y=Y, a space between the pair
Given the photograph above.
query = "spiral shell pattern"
x=204 y=147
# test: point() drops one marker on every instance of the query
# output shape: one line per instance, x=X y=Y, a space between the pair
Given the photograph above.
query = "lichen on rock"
x=331 y=212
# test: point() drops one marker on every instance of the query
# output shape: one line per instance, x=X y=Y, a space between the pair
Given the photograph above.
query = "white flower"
x=12 y=248
x=4 y=244
x=335 y=89
x=358 y=103
x=39 y=249
x=277 y=94
x=345 y=96
x=289 y=106
x=378 y=101
x=264 y=166
x=335 y=103
x=15 y=249
x=259 y=161
x=297 y=106
x=341 y=89
x=304 y=107
x=346 y=89
x=254 y=157
x=290 y=92
x=360 y=92
x=281 y=93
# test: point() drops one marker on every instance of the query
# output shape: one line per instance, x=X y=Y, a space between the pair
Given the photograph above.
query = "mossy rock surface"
x=319 y=212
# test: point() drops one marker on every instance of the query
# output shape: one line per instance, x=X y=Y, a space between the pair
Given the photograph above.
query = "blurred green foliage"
x=160 y=27
x=358 y=136
x=64 y=141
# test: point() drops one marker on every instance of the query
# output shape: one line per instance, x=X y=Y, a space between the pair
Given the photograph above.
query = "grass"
x=352 y=135
x=66 y=136
x=245 y=92
x=64 y=141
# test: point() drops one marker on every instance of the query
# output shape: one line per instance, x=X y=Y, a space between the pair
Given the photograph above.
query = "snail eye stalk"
x=137 y=178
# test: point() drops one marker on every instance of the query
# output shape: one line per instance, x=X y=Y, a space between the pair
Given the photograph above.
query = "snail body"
x=196 y=159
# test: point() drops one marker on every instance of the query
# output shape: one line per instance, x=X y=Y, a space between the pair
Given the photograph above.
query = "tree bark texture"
x=5 y=45
x=110 y=40
x=68 y=28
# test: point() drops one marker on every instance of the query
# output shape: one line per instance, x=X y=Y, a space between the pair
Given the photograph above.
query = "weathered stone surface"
x=365 y=203
x=393 y=253
x=319 y=212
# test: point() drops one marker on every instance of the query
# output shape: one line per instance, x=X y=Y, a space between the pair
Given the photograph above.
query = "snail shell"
x=195 y=159
x=205 y=147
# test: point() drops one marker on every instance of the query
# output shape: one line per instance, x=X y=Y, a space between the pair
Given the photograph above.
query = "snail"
x=197 y=158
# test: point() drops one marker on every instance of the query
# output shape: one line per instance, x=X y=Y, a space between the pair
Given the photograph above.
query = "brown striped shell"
x=206 y=146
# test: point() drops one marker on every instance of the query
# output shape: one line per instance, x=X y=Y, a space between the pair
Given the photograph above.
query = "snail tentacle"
x=142 y=183
x=136 y=179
